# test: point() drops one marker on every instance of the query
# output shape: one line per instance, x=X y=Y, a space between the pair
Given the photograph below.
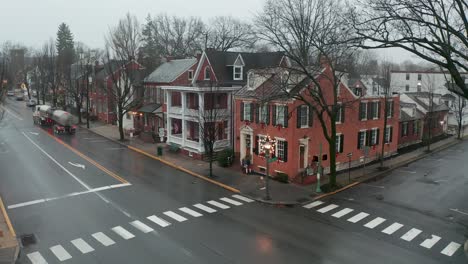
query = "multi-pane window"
x=388 y=134
x=363 y=111
x=282 y=150
x=280 y=115
x=248 y=111
x=374 y=140
x=263 y=112
x=361 y=139
x=190 y=75
x=389 y=109
x=339 y=143
x=304 y=116
x=419 y=76
x=415 y=127
x=404 y=129
x=407 y=88
x=374 y=110
x=207 y=73
x=340 y=114
x=237 y=73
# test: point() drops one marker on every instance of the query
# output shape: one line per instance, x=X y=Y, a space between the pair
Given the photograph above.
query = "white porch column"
x=184 y=125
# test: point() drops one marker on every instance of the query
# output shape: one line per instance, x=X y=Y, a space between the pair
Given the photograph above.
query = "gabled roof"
x=416 y=97
x=170 y=70
x=221 y=60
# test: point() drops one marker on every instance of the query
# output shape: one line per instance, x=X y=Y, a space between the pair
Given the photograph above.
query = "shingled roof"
x=170 y=70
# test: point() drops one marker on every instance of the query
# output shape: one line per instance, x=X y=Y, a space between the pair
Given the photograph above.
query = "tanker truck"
x=63 y=122
x=41 y=115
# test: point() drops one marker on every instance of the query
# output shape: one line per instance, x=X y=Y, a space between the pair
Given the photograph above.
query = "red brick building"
x=262 y=109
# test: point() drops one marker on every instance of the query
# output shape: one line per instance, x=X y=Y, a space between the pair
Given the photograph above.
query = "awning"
x=151 y=108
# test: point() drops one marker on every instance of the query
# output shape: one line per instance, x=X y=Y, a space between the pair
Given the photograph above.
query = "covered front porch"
x=149 y=123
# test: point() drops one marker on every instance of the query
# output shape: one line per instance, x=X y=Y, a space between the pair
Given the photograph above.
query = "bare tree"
x=50 y=70
x=309 y=31
x=458 y=109
x=122 y=45
x=213 y=117
x=386 y=68
x=225 y=33
x=435 y=31
x=430 y=118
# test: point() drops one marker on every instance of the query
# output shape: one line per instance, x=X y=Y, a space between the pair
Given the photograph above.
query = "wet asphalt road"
x=60 y=197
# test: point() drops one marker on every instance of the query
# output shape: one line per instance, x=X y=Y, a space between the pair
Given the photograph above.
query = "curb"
x=7 y=218
x=336 y=191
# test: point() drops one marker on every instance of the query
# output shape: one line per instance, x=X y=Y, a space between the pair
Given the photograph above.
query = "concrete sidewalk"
x=253 y=185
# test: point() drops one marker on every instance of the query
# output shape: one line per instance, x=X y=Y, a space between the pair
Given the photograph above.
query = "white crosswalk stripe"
x=159 y=221
x=190 y=212
x=313 y=204
x=358 y=217
x=342 y=212
x=392 y=228
x=219 y=205
x=327 y=208
x=123 y=232
x=430 y=242
x=450 y=249
x=141 y=226
x=60 y=253
x=103 y=239
x=377 y=221
x=242 y=198
x=82 y=246
x=231 y=201
x=410 y=235
x=175 y=216
x=36 y=258
x=205 y=208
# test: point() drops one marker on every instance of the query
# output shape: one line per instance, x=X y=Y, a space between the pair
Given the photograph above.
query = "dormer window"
x=190 y=75
x=237 y=73
x=207 y=73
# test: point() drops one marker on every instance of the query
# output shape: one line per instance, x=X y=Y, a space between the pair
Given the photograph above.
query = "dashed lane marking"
x=123 y=232
x=450 y=249
x=358 y=217
x=103 y=239
x=205 y=208
x=313 y=204
x=36 y=258
x=175 y=216
x=141 y=226
x=227 y=200
x=82 y=246
x=327 y=208
x=242 y=198
x=159 y=221
x=410 y=235
x=60 y=253
x=430 y=242
x=377 y=221
x=392 y=228
x=342 y=212
x=190 y=212
x=219 y=205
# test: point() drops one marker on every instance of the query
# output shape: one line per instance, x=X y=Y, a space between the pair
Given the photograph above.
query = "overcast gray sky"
x=32 y=22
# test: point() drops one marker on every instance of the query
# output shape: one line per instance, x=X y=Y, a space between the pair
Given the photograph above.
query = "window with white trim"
x=281 y=149
x=388 y=134
x=304 y=118
x=263 y=113
x=363 y=111
x=339 y=114
x=361 y=139
x=280 y=118
x=375 y=110
x=247 y=111
x=374 y=135
x=404 y=129
x=389 y=108
x=237 y=73
x=207 y=73
x=339 y=143
x=190 y=75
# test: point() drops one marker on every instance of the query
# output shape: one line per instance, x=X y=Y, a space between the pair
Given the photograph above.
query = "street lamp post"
x=267 y=146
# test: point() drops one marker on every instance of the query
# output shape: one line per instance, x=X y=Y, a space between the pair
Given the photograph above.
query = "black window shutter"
x=360 y=111
x=311 y=116
x=299 y=116
x=257 y=148
x=268 y=114
x=368 y=137
x=257 y=114
x=273 y=120
x=286 y=116
x=341 y=142
x=391 y=134
x=391 y=107
x=342 y=113
x=378 y=110
x=359 y=140
x=252 y=110
x=285 y=158
x=369 y=110
x=242 y=111
x=378 y=135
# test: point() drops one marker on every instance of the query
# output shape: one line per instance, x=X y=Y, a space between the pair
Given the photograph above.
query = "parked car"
x=11 y=93
x=31 y=102
x=19 y=97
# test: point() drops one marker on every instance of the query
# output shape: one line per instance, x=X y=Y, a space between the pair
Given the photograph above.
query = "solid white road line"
x=26 y=203
x=313 y=204
x=141 y=226
x=327 y=208
x=219 y=205
x=358 y=217
x=392 y=228
x=190 y=212
x=231 y=201
x=242 y=198
x=103 y=239
x=175 y=216
x=205 y=208
x=450 y=249
x=342 y=212
x=82 y=246
x=11 y=113
x=410 y=235
x=60 y=253
x=122 y=232
x=36 y=258
x=430 y=242
x=159 y=221
x=377 y=221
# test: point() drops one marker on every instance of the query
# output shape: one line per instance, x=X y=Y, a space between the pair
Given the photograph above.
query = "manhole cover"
x=27 y=240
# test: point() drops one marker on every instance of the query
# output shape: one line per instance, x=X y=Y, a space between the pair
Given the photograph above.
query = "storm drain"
x=27 y=240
